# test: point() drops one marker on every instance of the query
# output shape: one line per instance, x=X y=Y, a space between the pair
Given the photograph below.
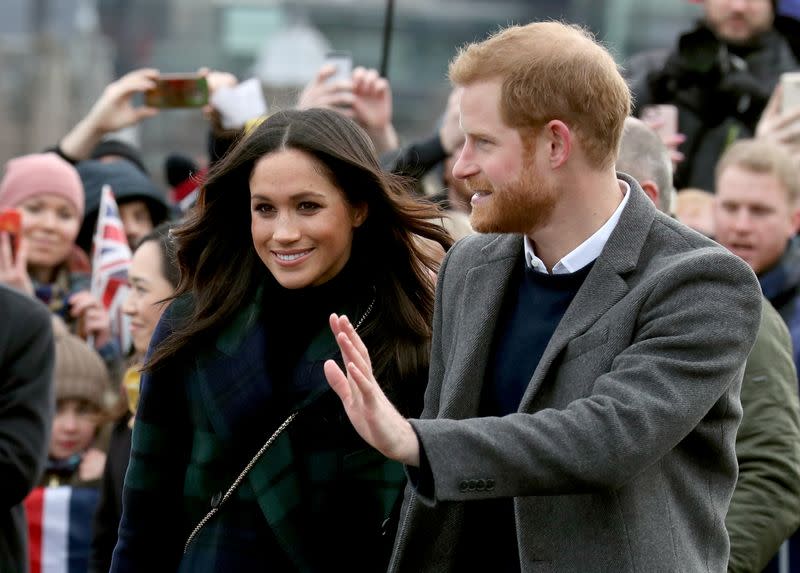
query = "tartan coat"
x=316 y=490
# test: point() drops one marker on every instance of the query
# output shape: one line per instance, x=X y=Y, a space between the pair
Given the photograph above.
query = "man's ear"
x=559 y=140
x=796 y=219
x=651 y=190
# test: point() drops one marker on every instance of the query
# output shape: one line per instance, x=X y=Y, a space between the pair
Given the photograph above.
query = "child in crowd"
x=60 y=511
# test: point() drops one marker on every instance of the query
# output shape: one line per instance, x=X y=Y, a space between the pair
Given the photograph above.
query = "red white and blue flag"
x=111 y=257
x=60 y=521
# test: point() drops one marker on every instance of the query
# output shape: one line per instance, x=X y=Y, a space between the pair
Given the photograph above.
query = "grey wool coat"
x=621 y=455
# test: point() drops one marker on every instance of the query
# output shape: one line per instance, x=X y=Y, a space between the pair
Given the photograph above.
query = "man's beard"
x=518 y=207
x=752 y=38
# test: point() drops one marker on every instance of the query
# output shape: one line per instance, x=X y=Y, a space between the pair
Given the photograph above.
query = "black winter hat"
x=121 y=149
x=128 y=184
x=178 y=168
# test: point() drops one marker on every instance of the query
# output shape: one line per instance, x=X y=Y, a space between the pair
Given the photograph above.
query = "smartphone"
x=11 y=223
x=343 y=62
x=664 y=117
x=790 y=84
x=178 y=90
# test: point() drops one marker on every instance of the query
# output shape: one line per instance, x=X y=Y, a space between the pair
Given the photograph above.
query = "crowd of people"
x=547 y=337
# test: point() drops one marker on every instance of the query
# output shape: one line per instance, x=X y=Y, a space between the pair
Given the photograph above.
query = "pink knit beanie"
x=39 y=173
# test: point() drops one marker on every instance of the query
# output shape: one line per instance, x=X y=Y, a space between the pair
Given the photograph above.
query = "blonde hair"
x=763 y=157
x=551 y=70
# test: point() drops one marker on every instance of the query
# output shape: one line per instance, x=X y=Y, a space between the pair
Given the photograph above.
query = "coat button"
x=489 y=484
x=216 y=499
x=481 y=485
x=463 y=486
x=472 y=485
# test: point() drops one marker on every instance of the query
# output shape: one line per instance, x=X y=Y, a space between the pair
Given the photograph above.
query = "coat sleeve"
x=26 y=394
x=765 y=508
x=416 y=159
x=109 y=507
x=152 y=531
x=694 y=330
x=637 y=73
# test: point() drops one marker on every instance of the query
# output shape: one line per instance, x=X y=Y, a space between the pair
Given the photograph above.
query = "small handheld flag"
x=111 y=258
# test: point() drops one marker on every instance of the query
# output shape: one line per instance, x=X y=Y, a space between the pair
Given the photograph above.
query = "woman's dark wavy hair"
x=221 y=269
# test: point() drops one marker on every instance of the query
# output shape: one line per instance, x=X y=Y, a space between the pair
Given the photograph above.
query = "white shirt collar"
x=587 y=251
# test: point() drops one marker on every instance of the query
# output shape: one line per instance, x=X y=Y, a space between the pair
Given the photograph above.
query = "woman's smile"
x=292 y=258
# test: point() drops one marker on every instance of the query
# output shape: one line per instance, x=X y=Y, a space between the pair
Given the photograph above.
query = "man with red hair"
x=587 y=351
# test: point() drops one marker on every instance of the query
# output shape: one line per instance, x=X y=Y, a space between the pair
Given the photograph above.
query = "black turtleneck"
x=293 y=317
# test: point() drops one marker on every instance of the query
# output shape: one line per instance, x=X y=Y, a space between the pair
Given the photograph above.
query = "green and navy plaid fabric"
x=317 y=500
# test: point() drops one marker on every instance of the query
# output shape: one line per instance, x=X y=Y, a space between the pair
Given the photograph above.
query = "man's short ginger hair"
x=765 y=158
x=551 y=70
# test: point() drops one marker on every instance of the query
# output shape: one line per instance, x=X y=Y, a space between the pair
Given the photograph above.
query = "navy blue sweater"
x=534 y=305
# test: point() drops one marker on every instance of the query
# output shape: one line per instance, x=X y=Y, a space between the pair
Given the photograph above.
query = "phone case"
x=10 y=221
x=790 y=83
x=343 y=62
x=179 y=90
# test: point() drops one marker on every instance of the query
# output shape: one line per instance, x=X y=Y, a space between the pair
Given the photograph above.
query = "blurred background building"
x=56 y=55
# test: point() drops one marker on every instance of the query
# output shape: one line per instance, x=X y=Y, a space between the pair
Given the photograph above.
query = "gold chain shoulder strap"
x=217 y=503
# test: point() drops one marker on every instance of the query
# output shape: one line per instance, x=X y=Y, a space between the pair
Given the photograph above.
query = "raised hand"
x=92 y=465
x=319 y=92
x=96 y=320
x=373 y=416
x=372 y=107
x=215 y=80
x=14 y=269
x=114 y=110
x=782 y=127
x=672 y=140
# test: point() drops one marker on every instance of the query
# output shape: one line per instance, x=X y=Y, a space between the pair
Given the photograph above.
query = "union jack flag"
x=111 y=257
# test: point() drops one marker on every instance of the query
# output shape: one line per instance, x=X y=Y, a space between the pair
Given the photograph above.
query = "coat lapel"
x=484 y=290
x=604 y=286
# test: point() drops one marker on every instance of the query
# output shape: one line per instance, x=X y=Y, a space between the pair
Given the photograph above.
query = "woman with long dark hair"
x=242 y=457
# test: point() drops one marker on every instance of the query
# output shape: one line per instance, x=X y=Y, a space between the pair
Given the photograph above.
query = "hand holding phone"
x=13 y=252
x=342 y=63
x=790 y=86
x=11 y=221
x=780 y=121
x=178 y=90
x=331 y=88
x=662 y=118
